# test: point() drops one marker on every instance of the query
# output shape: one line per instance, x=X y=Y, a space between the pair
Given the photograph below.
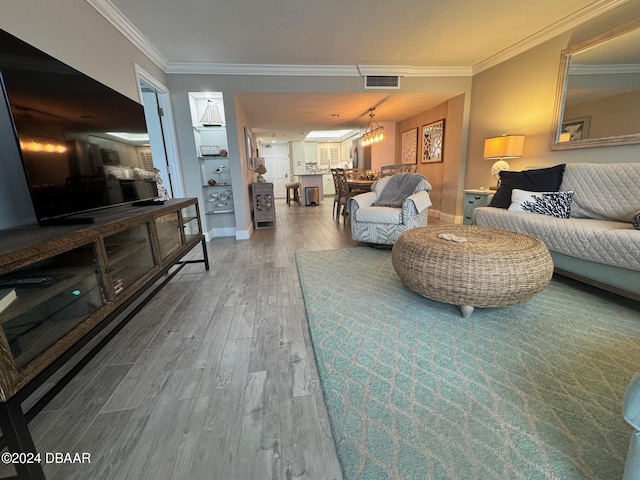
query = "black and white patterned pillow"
x=556 y=204
x=636 y=221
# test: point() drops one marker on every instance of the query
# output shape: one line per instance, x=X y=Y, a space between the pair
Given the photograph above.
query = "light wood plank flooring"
x=215 y=378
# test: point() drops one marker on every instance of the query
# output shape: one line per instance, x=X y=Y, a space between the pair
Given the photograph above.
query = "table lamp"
x=261 y=170
x=504 y=146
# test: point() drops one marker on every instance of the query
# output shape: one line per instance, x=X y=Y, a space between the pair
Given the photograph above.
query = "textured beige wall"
x=518 y=96
x=383 y=153
x=445 y=177
x=74 y=32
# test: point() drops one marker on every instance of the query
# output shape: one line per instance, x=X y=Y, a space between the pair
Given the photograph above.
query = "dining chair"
x=387 y=170
x=345 y=193
x=336 y=198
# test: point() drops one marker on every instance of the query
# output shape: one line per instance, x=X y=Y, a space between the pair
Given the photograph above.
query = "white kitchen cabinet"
x=297 y=158
x=328 y=186
x=310 y=152
x=303 y=153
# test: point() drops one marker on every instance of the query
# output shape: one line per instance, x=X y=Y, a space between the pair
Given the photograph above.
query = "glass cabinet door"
x=129 y=256
x=169 y=238
x=41 y=303
x=190 y=224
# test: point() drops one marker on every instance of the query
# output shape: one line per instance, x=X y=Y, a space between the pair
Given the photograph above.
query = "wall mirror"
x=598 y=99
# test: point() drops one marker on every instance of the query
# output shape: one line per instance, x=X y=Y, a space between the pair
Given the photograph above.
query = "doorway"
x=276 y=158
x=157 y=110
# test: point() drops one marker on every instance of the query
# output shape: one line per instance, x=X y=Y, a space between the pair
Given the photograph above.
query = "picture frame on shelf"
x=410 y=146
x=209 y=150
x=432 y=143
x=248 y=143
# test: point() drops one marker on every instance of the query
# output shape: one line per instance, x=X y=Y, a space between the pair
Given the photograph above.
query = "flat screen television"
x=80 y=141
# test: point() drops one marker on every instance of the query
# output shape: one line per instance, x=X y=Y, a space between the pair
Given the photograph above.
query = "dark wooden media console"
x=61 y=286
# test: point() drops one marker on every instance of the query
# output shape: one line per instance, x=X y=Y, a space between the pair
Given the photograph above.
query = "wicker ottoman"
x=492 y=268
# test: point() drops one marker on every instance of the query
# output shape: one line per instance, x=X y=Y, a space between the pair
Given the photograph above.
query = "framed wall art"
x=410 y=146
x=432 y=142
x=249 y=148
x=575 y=129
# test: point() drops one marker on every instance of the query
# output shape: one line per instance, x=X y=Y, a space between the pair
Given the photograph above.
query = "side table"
x=263 y=208
x=473 y=199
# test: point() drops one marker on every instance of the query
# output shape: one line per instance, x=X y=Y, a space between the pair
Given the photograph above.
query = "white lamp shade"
x=504 y=146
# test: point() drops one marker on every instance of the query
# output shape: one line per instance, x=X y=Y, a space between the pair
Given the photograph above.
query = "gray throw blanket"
x=399 y=187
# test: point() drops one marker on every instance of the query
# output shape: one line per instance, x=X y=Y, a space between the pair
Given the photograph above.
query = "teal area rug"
x=415 y=391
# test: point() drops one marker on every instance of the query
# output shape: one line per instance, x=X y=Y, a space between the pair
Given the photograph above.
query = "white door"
x=157 y=108
x=276 y=159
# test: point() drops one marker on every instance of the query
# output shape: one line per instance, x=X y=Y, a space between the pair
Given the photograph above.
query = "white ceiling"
x=290 y=116
x=410 y=36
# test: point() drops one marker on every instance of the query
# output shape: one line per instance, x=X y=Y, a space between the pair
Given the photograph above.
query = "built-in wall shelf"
x=217 y=200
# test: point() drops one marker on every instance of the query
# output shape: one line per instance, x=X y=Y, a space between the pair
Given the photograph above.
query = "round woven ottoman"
x=472 y=266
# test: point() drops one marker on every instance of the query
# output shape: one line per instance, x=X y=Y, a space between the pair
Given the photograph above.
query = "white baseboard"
x=445 y=217
x=244 y=234
x=456 y=219
x=223 y=232
x=228 y=232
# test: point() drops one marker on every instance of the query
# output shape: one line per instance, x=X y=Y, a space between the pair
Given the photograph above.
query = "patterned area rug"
x=415 y=391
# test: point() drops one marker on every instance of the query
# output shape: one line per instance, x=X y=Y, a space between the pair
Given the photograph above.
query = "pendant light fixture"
x=372 y=135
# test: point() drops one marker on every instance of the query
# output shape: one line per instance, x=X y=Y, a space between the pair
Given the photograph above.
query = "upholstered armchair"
x=376 y=220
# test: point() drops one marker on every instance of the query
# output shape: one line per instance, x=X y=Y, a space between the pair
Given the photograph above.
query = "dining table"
x=360 y=185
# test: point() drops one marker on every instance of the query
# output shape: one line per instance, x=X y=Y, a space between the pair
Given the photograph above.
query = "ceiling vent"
x=382 y=81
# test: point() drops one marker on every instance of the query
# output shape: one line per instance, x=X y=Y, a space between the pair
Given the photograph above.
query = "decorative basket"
x=209 y=150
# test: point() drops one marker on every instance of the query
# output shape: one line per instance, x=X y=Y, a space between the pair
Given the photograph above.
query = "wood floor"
x=214 y=379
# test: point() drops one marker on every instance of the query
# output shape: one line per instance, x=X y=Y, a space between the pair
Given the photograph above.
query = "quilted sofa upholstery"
x=383 y=225
x=597 y=243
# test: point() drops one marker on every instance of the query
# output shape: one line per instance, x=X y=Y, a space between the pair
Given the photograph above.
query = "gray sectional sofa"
x=598 y=243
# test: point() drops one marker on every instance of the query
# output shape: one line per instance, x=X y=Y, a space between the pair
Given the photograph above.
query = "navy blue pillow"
x=539 y=180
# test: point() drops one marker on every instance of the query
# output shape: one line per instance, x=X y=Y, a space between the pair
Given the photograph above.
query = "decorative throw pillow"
x=538 y=180
x=636 y=221
x=556 y=204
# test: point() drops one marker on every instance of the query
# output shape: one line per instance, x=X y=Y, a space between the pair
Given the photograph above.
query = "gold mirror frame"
x=563 y=77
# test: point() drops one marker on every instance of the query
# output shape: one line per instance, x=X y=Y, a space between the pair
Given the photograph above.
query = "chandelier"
x=372 y=135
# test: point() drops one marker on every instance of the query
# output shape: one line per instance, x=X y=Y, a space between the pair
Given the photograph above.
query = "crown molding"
x=262 y=69
x=578 y=18
x=124 y=26
x=410 y=71
x=316 y=70
x=604 y=69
